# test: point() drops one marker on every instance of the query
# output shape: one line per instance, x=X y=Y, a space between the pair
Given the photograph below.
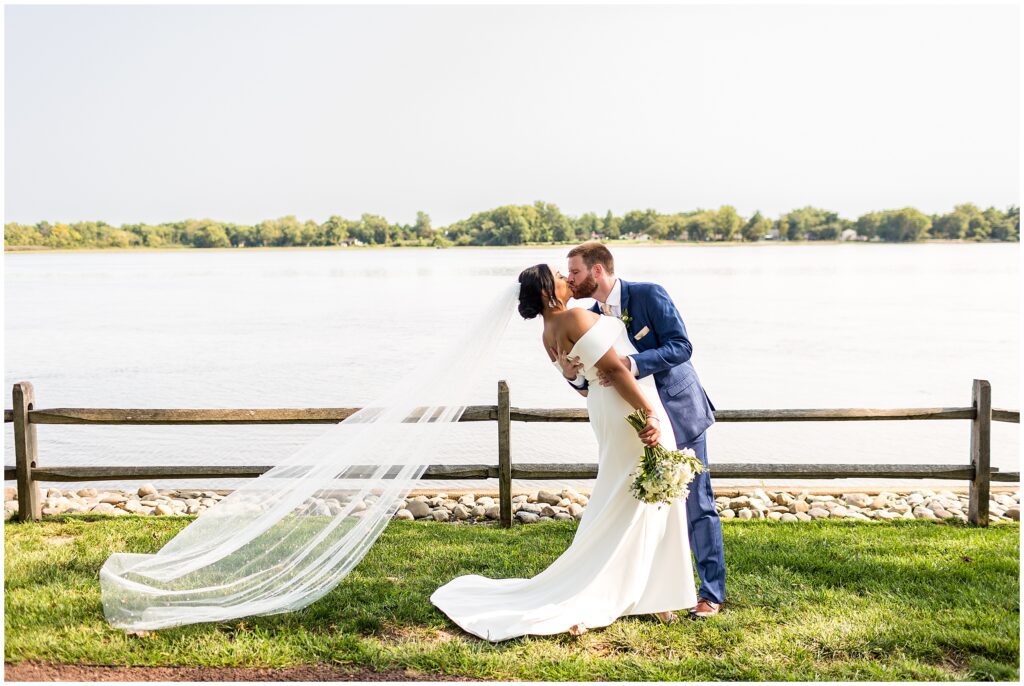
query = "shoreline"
x=13 y=250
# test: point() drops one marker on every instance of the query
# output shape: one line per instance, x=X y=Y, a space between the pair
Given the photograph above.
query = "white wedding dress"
x=627 y=557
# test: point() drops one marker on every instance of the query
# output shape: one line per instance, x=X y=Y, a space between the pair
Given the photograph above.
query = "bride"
x=627 y=557
x=283 y=540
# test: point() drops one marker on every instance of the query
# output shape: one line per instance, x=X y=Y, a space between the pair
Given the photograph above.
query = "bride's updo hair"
x=534 y=283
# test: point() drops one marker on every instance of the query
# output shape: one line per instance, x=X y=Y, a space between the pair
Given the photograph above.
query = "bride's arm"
x=561 y=360
x=621 y=377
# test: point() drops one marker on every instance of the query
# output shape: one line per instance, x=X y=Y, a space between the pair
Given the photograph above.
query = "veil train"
x=285 y=539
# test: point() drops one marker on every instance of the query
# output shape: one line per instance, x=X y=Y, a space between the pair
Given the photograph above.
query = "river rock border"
x=564 y=505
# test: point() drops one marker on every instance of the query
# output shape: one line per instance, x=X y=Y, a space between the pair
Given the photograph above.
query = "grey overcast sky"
x=244 y=113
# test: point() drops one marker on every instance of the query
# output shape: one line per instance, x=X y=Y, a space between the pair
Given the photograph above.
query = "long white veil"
x=285 y=539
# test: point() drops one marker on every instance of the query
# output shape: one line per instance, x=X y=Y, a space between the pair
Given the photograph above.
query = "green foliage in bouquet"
x=663 y=475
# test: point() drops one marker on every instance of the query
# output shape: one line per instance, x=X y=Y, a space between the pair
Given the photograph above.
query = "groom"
x=659 y=335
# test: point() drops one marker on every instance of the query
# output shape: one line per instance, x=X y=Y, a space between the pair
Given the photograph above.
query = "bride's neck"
x=553 y=310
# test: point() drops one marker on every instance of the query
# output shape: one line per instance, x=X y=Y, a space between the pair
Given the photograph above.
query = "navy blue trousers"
x=705 y=528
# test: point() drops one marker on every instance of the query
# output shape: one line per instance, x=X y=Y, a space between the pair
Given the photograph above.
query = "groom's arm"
x=674 y=346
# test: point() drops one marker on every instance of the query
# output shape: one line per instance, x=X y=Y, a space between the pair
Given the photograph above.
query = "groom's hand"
x=603 y=378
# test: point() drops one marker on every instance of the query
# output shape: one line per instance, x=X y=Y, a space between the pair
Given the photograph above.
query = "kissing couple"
x=629 y=352
x=280 y=541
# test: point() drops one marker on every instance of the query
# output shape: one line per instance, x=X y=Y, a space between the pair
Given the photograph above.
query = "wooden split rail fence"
x=29 y=472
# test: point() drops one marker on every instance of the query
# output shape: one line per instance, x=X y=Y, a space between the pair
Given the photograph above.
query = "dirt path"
x=41 y=671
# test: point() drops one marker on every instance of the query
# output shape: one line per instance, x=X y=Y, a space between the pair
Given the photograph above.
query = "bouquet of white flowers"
x=663 y=475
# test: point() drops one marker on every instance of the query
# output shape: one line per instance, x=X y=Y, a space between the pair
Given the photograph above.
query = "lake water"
x=773 y=326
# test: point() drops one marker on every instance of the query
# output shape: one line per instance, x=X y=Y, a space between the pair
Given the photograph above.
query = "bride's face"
x=562 y=290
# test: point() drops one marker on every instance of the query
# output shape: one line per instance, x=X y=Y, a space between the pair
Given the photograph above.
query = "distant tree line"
x=538 y=223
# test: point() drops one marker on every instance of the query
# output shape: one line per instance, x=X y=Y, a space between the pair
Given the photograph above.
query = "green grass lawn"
x=826 y=600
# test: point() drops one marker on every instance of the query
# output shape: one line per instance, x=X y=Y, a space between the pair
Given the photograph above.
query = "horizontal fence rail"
x=28 y=473
x=474 y=413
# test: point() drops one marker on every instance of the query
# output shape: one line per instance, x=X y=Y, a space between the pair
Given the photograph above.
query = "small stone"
x=878 y=503
x=799 y=506
x=900 y=508
x=527 y=517
x=148 y=489
x=547 y=511
x=486 y=501
x=478 y=511
x=531 y=498
x=469 y=500
x=803 y=516
x=576 y=510
x=776 y=516
x=857 y=499
x=571 y=495
x=564 y=502
x=532 y=508
x=520 y=498
x=418 y=508
x=923 y=513
x=1013 y=513
x=839 y=512
x=727 y=513
x=493 y=512
x=787 y=517
x=134 y=506
x=102 y=508
x=53 y=493
x=548 y=498
x=10 y=493
x=785 y=499
x=460 y=512
x=818 y=513
x=563 y=517
x=163 y=509
x=404 y=515
x=440 y=515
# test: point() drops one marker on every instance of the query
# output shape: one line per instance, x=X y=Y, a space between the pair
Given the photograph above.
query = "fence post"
x=504 y=456
x=981 y=443
x=25 y=452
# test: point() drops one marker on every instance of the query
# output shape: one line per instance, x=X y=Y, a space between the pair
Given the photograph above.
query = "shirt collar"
x=615 y=296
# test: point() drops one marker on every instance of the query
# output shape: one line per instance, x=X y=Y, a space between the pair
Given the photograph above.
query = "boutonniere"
x=626 y=319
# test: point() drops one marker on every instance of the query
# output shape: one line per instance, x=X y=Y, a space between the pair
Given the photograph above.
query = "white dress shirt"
x=613 y=307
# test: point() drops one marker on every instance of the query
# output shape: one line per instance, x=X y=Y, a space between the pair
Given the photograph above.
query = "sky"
x=244 y=113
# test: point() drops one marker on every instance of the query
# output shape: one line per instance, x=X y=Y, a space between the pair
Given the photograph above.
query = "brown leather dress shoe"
x=705 y=608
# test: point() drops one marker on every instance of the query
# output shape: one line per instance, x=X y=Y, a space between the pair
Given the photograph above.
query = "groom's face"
x=580 y=279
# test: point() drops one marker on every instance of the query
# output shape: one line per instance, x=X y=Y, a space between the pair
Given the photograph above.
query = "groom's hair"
x=594 y=252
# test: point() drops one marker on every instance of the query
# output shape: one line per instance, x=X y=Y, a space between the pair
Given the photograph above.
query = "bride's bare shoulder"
x=577 y=321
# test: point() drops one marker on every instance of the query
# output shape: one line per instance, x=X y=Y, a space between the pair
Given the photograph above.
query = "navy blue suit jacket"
x=664 y=350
